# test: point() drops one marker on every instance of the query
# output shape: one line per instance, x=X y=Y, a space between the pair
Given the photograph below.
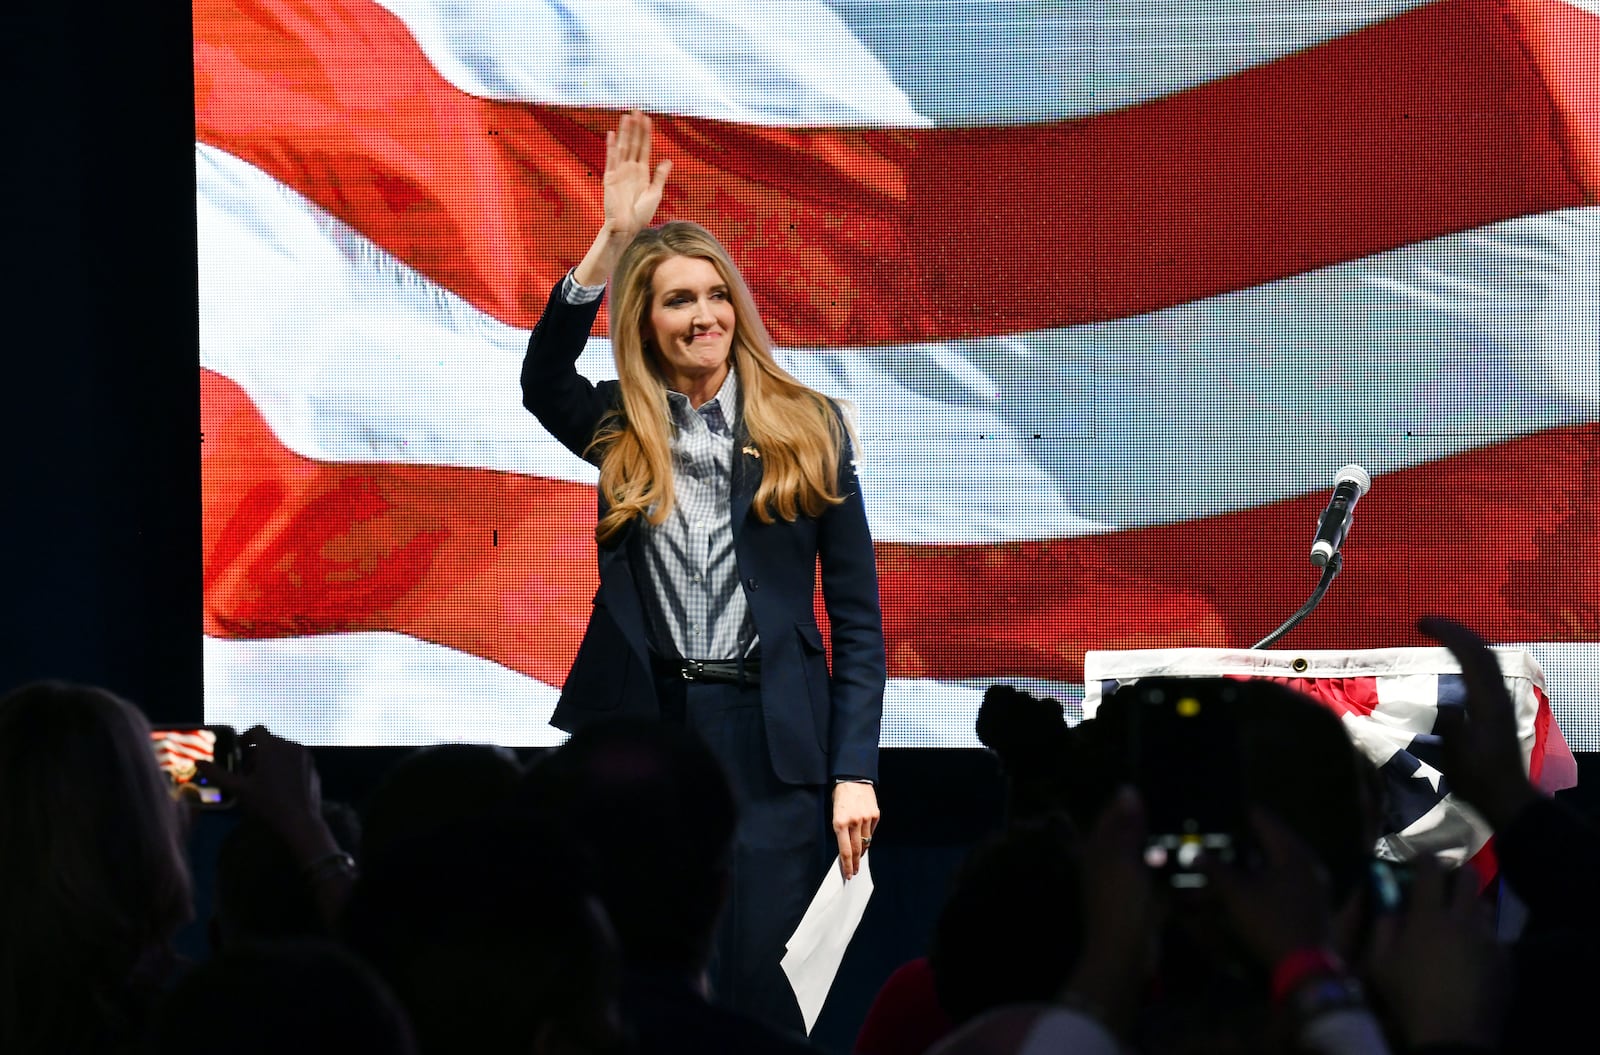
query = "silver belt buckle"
x=692 y=668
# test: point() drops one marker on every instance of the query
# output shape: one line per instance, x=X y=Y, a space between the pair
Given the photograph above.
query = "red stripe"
x=1541 y=737
x=1342 y=696
x=1503 y=537
x=1563 y=43
x=1485 y=864
x=1435 y=121
x=297 y=547
x=171 y=756
x=490 y=563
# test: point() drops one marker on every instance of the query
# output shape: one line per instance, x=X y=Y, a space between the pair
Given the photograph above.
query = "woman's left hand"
x=855 y=817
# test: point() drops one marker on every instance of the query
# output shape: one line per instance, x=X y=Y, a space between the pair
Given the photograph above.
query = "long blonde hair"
x=795 y=429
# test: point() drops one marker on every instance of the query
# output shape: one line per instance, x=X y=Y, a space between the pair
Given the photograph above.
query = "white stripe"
x=944 y=713
x=1452 y=831
x=1397 y=666
x=1390 y=361
x=373 y=689
x=1003 y=61
x=862 y=62
x=757 y=63
x=390 y=690
x=1408 y=703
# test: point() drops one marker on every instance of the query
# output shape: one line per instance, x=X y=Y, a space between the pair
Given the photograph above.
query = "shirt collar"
x=725 y=402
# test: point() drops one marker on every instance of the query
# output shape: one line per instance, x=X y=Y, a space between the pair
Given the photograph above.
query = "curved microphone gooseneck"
x=1349 y=484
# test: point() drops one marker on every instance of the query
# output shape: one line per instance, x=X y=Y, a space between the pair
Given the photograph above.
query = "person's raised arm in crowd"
x=1547 y=853
x=1281 y=913
x=279 y=785
x=1437 y=966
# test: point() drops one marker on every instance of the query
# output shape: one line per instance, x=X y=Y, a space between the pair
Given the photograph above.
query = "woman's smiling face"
x=690 y=330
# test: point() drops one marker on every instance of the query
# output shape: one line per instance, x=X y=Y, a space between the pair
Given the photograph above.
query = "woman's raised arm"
x=567 y=404
x=632 y=194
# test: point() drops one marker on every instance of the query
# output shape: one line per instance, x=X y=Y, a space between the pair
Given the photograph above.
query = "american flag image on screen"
x=177 y=751
x=1113 y=288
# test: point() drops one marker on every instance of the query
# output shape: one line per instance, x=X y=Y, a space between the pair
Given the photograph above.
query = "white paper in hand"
x=817 y=946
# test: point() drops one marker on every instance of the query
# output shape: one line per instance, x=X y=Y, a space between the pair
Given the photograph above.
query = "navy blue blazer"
x=820 y=725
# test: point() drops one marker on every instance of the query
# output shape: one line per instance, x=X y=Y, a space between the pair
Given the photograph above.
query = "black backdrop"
x=102 y=515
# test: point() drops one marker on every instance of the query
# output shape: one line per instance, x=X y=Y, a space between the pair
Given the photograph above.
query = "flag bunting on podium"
x=1389 y=701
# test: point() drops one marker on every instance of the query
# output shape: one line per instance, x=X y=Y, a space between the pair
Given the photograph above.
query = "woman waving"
x=724 y=484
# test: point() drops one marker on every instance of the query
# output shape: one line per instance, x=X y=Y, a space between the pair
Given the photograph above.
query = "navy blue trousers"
x=782 y=849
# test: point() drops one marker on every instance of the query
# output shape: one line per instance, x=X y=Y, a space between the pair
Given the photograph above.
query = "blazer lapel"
x=619 y=589
x=746 y=477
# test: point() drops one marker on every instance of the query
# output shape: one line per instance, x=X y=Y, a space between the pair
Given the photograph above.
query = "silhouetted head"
x=1037 y=753
x=489 y=941
x=93 y=877
x=651 y=814
x=1011 y=929
x=433 y=787
x=303 y=996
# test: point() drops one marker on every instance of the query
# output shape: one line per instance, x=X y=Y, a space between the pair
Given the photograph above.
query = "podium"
x=1388 y=700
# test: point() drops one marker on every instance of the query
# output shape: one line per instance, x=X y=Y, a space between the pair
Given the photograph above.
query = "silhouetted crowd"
x=476 y=904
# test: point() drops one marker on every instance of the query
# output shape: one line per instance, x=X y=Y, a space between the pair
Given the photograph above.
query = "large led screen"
x=1114 y=289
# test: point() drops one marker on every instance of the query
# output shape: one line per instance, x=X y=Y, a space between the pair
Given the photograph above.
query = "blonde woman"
x=723 y=483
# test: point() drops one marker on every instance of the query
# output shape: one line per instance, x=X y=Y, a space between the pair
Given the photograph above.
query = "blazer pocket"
x=814 y=661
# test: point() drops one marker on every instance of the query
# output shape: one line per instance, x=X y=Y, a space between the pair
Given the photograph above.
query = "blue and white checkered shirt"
x=693 y=601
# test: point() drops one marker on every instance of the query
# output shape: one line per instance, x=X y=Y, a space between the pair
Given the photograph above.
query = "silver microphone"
x=1349 y=484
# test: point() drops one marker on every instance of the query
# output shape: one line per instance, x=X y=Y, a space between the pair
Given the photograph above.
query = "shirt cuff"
x=851 y=780
x=575 y=292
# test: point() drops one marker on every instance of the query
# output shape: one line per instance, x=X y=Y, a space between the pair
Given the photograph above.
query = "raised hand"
x=280 y=787
x=1281 y=906
x=1482 y=755
x=632 y=191
x=632 y=194
x=1439 y=967
x=279 y=784
x=1122 y=911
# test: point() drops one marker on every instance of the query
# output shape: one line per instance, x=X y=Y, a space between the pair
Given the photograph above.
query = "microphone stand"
x=1329 y=570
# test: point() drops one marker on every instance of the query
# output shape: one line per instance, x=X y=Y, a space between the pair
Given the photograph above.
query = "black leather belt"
x=725 y=671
